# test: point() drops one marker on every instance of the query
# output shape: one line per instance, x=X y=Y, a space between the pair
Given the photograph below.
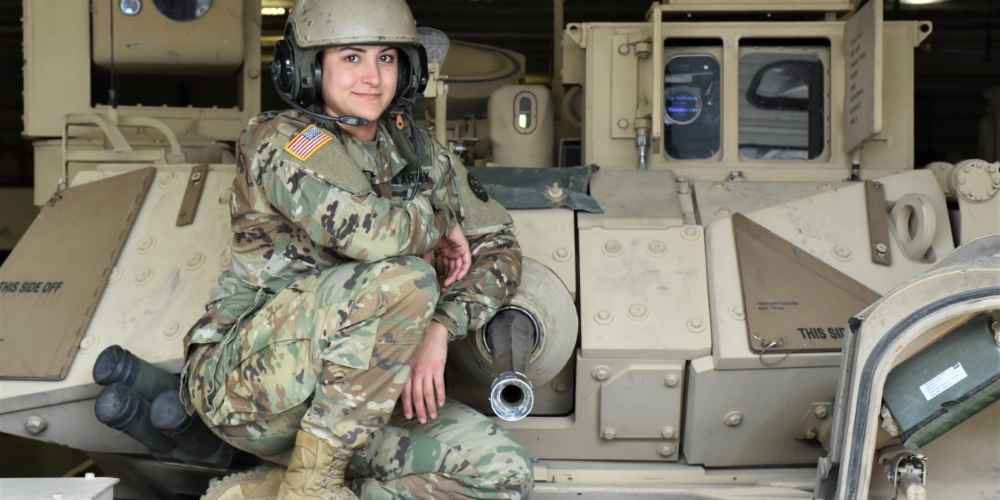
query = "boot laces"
x=333 y=474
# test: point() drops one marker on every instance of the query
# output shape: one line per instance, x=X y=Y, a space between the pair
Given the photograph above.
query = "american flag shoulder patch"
x=307 y=142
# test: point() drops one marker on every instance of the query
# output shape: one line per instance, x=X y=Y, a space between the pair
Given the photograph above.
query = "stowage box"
x=946 y=383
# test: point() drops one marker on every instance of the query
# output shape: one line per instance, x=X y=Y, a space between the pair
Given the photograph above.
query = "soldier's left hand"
x=424 y=392
x=456 y=255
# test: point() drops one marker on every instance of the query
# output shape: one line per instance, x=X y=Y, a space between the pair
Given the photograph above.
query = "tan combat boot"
x=261 y=483
x=316 y=471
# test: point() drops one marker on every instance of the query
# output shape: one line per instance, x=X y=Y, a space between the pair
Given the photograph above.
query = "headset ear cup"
x=310 y=87
x=404 y=77
x=408 y=84
x=283 y=69
x=422 y=78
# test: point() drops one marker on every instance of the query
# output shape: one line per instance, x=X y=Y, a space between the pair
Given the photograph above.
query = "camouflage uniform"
x=326 y=300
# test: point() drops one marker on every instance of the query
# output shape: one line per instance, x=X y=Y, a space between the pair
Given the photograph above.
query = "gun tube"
x=512 y=334
x=121 y=408
x=168 y=416
x=143 y=401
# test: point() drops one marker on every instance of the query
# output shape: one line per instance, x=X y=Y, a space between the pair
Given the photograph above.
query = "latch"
x=878 y=223
x=192 y=195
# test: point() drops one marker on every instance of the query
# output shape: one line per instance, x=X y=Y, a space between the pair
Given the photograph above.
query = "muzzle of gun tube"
x=116 y=364
x=511 y=396
x=511 y=334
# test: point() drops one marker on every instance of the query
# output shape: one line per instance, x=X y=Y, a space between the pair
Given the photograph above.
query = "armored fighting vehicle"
x=737 y=283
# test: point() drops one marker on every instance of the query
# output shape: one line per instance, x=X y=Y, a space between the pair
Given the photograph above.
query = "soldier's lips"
x=368 y=97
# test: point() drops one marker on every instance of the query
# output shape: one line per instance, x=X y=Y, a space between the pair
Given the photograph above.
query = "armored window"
x=784 y=102
x=691 y=101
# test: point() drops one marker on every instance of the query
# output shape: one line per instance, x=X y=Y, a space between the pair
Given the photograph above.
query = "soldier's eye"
x=352 y=58
x=387 y=58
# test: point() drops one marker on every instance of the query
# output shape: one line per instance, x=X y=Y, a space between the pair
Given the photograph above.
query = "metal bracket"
x=577 y=33
x=642 y=43
x=878 y=223
x=192 y=195
x=817 y=424
x=908 y=474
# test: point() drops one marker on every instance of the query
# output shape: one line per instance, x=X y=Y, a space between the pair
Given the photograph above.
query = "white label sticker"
x=944 y=381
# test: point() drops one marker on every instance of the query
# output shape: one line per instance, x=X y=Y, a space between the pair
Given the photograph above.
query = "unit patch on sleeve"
x=478 y=189
x=307 y=142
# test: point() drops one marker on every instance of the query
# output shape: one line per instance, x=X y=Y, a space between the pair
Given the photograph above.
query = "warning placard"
x=51 y=283
x=793 y=300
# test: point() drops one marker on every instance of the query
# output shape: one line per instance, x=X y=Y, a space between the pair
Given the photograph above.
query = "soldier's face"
x=359 y=80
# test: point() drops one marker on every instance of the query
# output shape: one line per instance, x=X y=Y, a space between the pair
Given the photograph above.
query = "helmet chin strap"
x=346 y=120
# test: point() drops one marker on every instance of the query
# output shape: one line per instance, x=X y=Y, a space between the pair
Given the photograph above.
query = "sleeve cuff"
x=450 y=220
x=454 y=318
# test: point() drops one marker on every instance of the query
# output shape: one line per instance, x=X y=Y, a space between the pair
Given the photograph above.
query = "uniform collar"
x=381 y=169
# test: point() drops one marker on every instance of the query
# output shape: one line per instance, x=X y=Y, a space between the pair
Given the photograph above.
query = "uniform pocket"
x=350 y=330
x=270 y=366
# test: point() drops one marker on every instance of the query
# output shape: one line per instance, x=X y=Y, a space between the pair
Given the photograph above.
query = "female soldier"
x=328 y=314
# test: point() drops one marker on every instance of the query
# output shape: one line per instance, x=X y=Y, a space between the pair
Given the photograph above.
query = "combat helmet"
x=314 y=25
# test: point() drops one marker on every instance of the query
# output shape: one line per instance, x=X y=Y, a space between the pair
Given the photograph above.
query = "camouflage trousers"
x=460 y=454
x=329 y=354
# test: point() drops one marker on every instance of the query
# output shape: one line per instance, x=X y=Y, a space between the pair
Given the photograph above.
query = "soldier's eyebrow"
x=358 y=48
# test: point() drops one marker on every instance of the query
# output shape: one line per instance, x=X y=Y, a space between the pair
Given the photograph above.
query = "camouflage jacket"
x=308 y=197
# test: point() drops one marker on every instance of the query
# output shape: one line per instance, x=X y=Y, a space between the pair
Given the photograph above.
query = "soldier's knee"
x=512 y=477
x=408 y=285
x=505 y=469
x=519 y=479
x=413 y=264
x=409 y=278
